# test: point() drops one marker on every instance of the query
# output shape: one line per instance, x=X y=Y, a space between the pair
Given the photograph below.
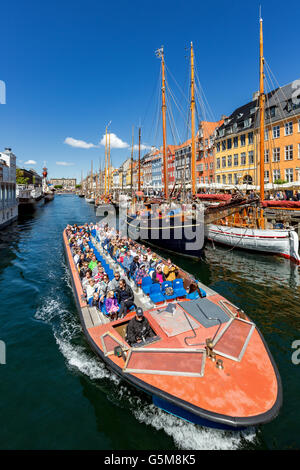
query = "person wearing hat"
x=138 y=329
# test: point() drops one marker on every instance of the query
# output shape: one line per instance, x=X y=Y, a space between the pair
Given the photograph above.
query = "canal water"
x=56 y=394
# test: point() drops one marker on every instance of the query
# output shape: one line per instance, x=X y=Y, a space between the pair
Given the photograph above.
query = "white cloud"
x=143 y=147
x=64 y=163
x=30 y=162
x=78 y=143
x=115 y=142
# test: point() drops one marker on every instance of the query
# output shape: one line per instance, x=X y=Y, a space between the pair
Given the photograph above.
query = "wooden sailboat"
x=159 y=223
x=248 y=228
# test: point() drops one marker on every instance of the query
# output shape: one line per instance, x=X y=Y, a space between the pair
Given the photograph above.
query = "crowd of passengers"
x=116 y=294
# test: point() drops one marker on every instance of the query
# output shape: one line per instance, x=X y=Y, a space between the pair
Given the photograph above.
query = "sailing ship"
x=158 y=222
x=248 y=227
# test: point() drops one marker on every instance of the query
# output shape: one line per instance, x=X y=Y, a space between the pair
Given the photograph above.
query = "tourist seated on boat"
x=134 y=266
x=99 y=274
x=111 y=304
x=145 y=263
x=83 y=269
x=170 y=270
x=115 y=282
x=86 y=279
x=125 y=298
x=138 y=328
x=95 y=270
x=90 y=288
x=81 y=260
x=95 y=301
x=140 y=274
x=127 y=261
x=102 y=287
x=93 y=263
x=158 y=275
x=76 y=256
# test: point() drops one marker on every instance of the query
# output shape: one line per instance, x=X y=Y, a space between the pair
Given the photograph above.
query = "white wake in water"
x=189 y=436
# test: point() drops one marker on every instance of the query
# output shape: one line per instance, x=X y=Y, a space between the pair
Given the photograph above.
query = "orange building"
x=205 y=170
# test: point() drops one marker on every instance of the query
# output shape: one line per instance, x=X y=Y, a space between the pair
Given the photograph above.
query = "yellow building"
x=236 y=151
x=235 y=147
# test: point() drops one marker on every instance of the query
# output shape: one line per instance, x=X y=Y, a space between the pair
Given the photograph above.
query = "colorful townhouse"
x=205 y=170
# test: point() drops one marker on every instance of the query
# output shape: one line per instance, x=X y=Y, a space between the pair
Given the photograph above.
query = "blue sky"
x=70 y=67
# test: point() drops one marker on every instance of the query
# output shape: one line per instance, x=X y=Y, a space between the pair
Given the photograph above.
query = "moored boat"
x=206 y=361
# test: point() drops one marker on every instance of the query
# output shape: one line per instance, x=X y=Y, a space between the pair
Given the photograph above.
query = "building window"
x=218 y=146
x=276 y=175
x=223 y=144
x=267 y=176
x=276 y=132
x=236 y=160
x=235 y=142
x=224 y=179
x=243 y=140
x=223 y=162
x=266 y=156
x=206 y=166
x=288 y=152
x=218 y=163
x=229 y=144
x=235 y=178
x=229 y=160
x=289 y=175
x=250 y=138
x=298 y=125
x=288 y=128
x=251 y=157
x=243 y=158
x=211 y=166
x=218 y=179
x=230 y=179
x=276 y=154
x=266 y=134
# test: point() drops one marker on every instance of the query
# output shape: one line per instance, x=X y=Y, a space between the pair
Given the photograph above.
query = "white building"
x=8 y=201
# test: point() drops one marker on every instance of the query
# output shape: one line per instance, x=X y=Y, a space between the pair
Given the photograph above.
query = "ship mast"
x=139 y=167
x=193 y=162
x=105 y=174
x=108 y=169
x=131 y=165
x=160 y=53
x=261 y=114
x=91 y=178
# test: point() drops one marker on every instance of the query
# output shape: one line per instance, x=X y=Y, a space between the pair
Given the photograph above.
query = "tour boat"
x=206 y=362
